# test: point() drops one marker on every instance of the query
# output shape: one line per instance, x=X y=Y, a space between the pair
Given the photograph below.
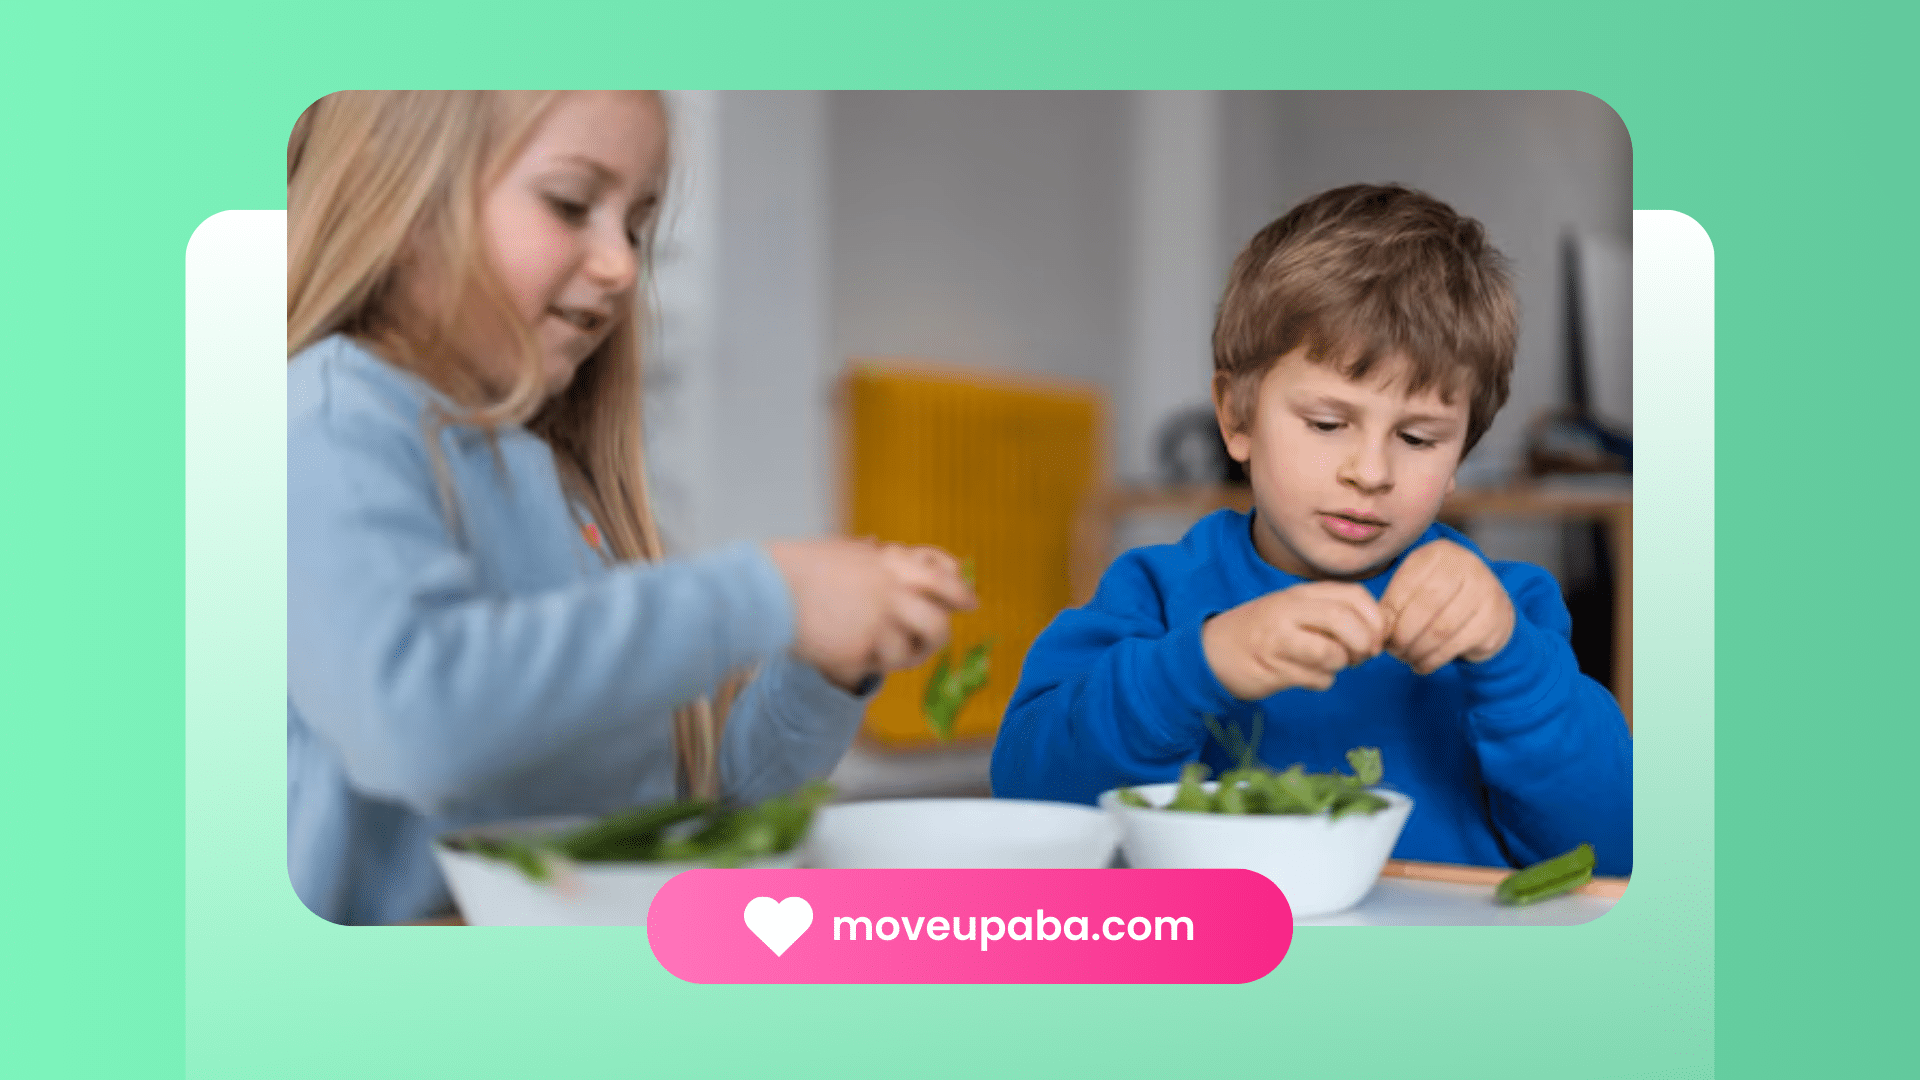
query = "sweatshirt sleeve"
x=1109 y=695
x=430 y=689
x=1552 y=743
x=789 y=725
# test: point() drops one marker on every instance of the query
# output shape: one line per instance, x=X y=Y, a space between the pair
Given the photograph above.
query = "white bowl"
x=495 y=893
x=961 y=834
x=1322 y=865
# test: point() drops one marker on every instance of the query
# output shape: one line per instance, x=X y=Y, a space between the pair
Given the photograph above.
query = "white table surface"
x=1407 y=902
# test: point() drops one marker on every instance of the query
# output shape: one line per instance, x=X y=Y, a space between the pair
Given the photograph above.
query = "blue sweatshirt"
x=1508 y=762
x=439 y=677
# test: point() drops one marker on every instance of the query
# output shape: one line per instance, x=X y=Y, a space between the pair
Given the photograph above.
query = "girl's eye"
x=1417 y=441
x=637 y=231
x=571 y=212
x=1324 y=425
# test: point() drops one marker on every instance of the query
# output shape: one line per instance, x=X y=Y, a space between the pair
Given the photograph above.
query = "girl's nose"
x=611 y=262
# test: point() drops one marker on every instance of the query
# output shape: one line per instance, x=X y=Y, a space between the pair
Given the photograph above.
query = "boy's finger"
x=1410 y=627
x=1318 y=650
x=1309 y=677
x=1338 y=619
x=1443 y=647
x=1407 y=581
x=1368 y=610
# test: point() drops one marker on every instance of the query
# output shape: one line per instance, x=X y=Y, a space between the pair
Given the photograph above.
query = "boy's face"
x=1345 y=474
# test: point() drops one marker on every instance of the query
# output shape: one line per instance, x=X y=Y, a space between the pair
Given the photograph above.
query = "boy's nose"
x=1368 y=468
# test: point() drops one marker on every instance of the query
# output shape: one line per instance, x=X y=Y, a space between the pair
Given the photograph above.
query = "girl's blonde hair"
x=381 y=180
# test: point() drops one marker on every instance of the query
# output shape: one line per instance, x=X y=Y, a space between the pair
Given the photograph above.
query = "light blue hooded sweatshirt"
x=443 y=676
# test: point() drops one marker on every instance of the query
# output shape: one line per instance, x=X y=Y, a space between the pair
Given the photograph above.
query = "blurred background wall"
x=1080 y=234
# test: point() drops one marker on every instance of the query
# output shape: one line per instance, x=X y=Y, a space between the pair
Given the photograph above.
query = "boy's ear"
x=1239 y=444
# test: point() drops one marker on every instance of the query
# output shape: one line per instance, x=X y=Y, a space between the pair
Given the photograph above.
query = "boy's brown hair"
x=1362 y=274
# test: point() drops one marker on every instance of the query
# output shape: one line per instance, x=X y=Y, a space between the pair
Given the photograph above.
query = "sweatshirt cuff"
x=812 y=693
x=1179 y=687
x=1519 y=674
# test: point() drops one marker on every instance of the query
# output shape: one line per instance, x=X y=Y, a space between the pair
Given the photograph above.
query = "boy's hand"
x=1299 y=636
x=1444 y=604
x=864 y=608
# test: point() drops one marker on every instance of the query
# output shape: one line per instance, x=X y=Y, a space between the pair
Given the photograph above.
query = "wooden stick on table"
x=1488 y=876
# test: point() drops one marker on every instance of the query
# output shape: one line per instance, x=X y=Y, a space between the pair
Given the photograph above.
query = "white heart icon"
x=779 y=925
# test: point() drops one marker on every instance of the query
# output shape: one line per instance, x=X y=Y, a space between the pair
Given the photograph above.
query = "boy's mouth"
x=1351 y=525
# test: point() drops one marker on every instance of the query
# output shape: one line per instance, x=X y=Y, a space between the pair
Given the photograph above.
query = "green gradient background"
x=1786 y=133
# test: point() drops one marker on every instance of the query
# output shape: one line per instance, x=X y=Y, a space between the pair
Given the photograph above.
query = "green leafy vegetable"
x=1557 y=875
x=950 y=687
x=688 y=831
x=1365 y=763
x=1252 y=788
x=1190 y=795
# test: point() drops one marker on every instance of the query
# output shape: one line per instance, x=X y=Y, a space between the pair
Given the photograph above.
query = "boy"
x=1363 y=346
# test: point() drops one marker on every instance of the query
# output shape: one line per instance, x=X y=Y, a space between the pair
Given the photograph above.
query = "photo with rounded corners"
x=959 y=479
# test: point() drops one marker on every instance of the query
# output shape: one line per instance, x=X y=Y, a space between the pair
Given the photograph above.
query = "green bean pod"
x=1557 y=875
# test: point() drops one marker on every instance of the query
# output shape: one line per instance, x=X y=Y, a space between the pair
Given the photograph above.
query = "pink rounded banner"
x=970 y=926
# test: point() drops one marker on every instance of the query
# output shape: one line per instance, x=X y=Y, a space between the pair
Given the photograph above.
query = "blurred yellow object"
x=985 y=465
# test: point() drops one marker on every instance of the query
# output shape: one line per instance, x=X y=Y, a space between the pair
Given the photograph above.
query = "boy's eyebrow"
x=1339 y=405
x=1327 y=401
x=1426 y=418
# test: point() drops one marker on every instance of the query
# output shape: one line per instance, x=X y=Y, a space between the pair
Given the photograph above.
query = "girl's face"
x=562 y=226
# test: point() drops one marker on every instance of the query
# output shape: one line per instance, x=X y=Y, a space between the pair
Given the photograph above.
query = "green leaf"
x=1364 y=802
x=1190 y=795
x=1365 y=763
x=1230 y=798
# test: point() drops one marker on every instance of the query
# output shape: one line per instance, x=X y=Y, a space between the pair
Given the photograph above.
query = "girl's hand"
x=1444 y=604
x=864 y=608
x=1299 y=636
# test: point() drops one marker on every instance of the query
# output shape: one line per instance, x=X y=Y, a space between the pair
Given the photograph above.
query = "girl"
x=479 y=623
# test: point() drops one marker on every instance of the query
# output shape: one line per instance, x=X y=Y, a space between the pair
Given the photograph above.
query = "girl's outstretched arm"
x=431 y=678
x=789 y=725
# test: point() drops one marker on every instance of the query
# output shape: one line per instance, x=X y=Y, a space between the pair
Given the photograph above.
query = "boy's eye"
x=1416 y=441
x=1324 y=425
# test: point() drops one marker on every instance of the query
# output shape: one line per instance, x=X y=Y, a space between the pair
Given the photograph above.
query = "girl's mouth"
x=587 y=322
x=1352 y=527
